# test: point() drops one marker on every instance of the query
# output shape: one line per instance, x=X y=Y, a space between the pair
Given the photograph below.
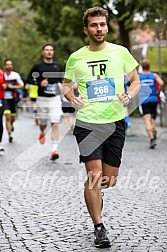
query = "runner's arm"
x=159 y=81
x=19 y=82
x=133 y=88
x=134 y=83
x=68 y=92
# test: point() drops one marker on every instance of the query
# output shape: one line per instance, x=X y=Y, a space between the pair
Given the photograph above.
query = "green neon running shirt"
x=97 y=72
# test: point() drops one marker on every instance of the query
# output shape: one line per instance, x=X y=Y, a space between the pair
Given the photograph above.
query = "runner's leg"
x=92 y=190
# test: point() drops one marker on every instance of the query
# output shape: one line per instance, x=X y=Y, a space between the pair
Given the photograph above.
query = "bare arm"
x=19 y=86
x=134 y=83
x=68 y=92
x=133 y=88
x=159 y=81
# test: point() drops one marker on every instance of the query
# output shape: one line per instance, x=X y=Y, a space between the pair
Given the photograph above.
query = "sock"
x=54 y=145
x=97 y=226
x=43 y=132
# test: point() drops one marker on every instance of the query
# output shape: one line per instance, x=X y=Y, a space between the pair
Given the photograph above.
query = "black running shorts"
x=10 y=105
x=100 y=141
x=149 y=108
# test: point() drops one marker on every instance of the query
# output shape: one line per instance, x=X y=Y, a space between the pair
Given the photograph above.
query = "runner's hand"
x=9 y=85
x=44 y=83
x=124 y=98
x=78 y=103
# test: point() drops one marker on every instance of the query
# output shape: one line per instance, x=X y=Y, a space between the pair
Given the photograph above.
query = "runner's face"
x=97 y=29
x=48 y=52
x=8 y=66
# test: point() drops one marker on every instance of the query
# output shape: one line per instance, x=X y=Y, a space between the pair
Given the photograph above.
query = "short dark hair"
x=145 y=64
x=45 y=45
x=94 y=12
x=6 y=61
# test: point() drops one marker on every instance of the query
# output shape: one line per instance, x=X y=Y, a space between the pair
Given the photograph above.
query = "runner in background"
x=47 y=75
x=13 y=83
x=127 y=117
x=148 y=95
x=32 y=95
x=2 y=87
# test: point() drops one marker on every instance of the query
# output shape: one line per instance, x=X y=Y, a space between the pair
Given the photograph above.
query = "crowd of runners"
x=42 y=95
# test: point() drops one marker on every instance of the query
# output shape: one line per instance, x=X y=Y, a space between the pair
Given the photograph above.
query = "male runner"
x=148 y=107
x=14 y=82
x=47 y=74
x=100 y=128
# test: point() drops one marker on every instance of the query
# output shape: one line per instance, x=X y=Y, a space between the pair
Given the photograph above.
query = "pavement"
x=42 y=207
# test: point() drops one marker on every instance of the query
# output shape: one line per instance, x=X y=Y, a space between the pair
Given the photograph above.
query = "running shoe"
x=10 y=138
x=2 y=149
x=152 y=143
x=42 y=138
x=54 y=155
x=101 y=240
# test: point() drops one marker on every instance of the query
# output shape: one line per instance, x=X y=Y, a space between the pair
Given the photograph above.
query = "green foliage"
x=152 y=55
x=62 y=22
x=19 y=39
x=63 y=18
x=28 y=24
x=153 y=9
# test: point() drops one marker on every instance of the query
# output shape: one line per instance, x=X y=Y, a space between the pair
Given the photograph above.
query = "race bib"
x=8 y=95
x=101 y=90
x=51 y=89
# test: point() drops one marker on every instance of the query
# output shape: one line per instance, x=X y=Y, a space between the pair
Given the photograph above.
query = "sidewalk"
x=42 y=205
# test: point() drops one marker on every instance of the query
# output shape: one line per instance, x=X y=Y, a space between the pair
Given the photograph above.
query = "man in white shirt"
x=13 y=82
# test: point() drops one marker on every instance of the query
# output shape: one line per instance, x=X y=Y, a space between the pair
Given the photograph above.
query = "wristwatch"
x=129 y=96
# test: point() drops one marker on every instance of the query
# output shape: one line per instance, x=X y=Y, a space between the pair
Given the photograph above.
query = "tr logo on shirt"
x=97 y=64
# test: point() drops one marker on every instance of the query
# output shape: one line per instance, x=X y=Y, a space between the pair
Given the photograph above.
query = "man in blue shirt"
x=149 y=99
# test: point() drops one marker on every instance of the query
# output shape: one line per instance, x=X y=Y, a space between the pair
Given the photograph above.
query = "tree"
x=124 y=12
x=61 y=20
x=19 y=39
